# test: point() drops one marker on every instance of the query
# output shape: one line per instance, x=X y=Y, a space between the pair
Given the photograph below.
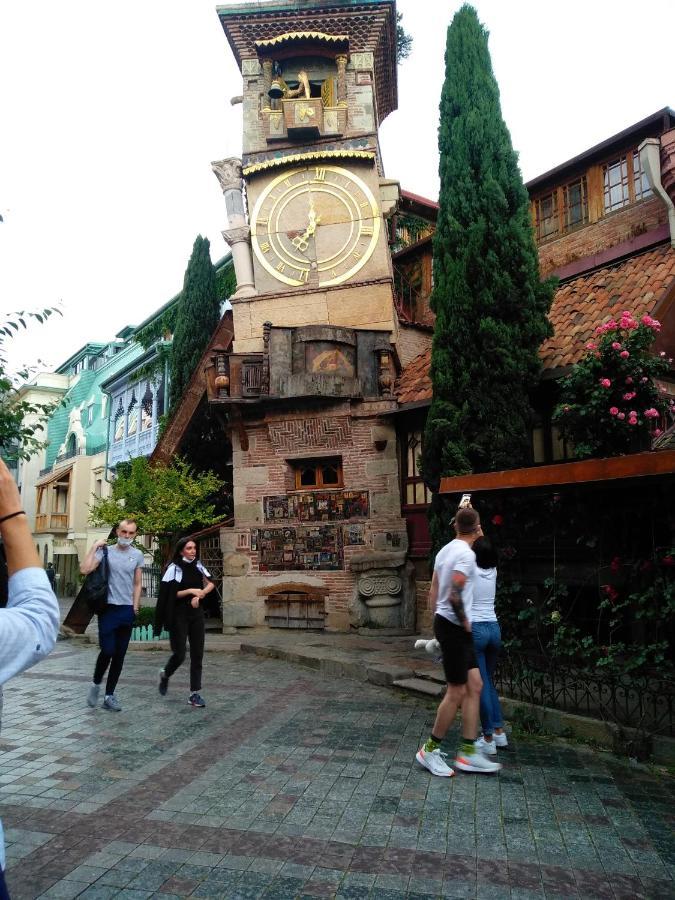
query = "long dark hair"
x=486 y=555
x=177 y=557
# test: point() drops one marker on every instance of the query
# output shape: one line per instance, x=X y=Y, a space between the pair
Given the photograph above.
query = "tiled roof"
x=414 y=383
x=578 y=307
x=584 y=302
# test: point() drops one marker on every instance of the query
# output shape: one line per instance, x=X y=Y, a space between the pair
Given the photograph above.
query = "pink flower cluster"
x=627 y=322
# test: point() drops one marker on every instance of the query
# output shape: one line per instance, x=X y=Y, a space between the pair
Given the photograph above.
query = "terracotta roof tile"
x=578 y=307
x=634 y=284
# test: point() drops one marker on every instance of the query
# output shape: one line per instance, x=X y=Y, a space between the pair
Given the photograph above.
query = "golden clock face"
x=315 y=225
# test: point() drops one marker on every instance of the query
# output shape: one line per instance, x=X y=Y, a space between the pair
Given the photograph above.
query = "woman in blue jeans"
x=487 y=642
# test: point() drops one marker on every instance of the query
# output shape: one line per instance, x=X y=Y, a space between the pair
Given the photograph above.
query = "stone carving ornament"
x=229 y=174
x=387 y=584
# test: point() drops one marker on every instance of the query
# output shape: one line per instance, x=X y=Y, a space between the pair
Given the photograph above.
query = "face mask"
x=186 y=560
x=125 y=542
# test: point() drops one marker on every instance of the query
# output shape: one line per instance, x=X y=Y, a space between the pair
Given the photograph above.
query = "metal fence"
x=150 y=578
x=643 y=702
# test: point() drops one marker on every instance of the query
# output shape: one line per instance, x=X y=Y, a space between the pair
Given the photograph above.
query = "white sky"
x=111 y=113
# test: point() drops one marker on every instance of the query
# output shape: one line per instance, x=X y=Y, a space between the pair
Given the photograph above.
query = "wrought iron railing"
x=69 y=455
x=643 y=702
x=45 y=471
x=150 y=578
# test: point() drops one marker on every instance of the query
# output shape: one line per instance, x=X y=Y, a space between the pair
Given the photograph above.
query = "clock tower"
x=307 y=386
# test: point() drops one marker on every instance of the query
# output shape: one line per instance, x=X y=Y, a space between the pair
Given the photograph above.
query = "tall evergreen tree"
x=490 y=305
x=197 y=316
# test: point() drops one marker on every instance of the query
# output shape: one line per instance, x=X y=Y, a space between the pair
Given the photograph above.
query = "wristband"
x=19 y=512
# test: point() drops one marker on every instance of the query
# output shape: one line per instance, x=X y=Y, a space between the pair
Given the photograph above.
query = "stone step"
x=420 y=686
x=436 y=677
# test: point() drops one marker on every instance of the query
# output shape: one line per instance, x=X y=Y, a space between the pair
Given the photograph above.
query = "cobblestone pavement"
x=292 y=785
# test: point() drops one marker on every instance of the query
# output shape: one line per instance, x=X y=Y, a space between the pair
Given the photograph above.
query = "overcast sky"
x=111 y=113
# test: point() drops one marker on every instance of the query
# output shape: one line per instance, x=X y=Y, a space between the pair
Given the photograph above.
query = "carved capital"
x=237 y=235
x=228 y=173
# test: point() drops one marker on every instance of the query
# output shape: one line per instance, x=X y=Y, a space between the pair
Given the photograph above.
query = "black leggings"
x=188 y=624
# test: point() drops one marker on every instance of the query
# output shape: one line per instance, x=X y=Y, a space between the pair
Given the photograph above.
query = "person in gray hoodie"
x=487 y=642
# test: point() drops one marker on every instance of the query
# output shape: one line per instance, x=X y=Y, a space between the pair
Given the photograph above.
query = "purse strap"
x=105 y=561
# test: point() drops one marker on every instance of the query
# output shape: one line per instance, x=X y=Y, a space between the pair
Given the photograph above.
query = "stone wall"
x=266 y=469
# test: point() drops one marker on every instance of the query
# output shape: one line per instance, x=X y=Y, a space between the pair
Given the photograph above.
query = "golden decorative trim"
x=302 y=36
x=305 y=157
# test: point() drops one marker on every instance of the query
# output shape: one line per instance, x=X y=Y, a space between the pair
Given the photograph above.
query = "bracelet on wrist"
x=19 y=512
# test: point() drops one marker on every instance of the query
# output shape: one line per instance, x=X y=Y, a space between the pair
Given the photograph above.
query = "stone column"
x=341 y=62
x=228 y=172
x=267 y=82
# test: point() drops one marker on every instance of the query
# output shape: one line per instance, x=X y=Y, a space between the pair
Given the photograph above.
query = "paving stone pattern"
x=290 y=784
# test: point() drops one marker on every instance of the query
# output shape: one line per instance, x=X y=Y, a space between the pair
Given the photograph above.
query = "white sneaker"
x=92 y=695
x=489 y=748
x=434 y=762
x=500 y=740
x=476 y=762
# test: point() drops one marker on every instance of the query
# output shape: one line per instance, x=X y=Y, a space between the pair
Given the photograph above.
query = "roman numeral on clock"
x=320 y=174
x=263 y=223
x=303 y=275
x=265 y=247
x=281 y=267
x=367 y=230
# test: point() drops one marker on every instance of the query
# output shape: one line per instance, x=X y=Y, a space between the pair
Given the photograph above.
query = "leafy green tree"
x=403 y=40
x=19 y=438
x=197 y=317
x=609 y=403
x=490 y=305
x=165 y=501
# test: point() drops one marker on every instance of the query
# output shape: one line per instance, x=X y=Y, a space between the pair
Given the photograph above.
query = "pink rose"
x=657 y=432
x=614 y=410
x=629 y=395
x=629 y=380
x=624 y=354
x=605 y=382
x=644 y=379
x=616 y=345
x=652 y=413
x=591 y=346
x=621 y=416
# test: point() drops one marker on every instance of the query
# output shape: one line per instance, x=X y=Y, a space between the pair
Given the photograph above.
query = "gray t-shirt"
x=122 y=565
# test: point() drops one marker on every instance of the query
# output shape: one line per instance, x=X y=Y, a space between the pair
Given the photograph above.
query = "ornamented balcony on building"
x=313 y=360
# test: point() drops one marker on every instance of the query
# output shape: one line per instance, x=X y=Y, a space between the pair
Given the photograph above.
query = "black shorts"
x=456 y=648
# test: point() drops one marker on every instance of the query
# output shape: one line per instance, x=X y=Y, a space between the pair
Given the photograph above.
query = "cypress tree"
x=490 y=305
x=197 y=316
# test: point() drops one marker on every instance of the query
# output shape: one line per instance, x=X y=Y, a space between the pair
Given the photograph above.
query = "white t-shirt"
x=456 y=556
x=484 y=589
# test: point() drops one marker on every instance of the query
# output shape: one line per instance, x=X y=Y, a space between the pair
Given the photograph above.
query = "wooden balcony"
x=51 y=522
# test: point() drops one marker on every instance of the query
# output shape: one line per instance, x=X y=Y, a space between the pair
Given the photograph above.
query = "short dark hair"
x=467 y=521
x=486 y=555
x=128 y=521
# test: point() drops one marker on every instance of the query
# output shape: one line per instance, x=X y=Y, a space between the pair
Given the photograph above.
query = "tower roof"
x=368 y=25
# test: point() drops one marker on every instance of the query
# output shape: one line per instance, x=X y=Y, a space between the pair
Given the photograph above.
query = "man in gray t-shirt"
x=115 y=623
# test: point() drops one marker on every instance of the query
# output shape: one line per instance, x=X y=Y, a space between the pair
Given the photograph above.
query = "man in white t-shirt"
x=452 y=594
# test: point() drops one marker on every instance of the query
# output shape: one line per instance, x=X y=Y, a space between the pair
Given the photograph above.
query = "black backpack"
x=94 y=591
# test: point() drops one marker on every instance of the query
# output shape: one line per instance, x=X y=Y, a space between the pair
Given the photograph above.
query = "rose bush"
x=610 y=403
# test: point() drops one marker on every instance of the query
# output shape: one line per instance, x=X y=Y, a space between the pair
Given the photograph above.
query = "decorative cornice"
x=291 y=36
x=307 y=157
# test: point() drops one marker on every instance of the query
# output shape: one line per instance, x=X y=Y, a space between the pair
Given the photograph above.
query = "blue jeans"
x=487 y=642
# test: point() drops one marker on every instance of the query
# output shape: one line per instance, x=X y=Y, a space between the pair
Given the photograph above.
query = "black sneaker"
x=196 y=700
x=163 y=683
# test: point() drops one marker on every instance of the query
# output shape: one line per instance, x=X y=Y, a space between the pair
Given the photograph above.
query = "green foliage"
x=197 y=316
x=19 y=440
x=403 y=40
x=164 y=500
x=609 y=403
x=491 y=307
x=145 y=616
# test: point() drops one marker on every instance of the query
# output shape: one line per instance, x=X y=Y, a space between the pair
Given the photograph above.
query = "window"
x=641 y=187
x=547 y=215
x=132 y=415
x=318 y=473
x=575 y=203
x=90 y=414
x=415 y=492
x=98 y=487
x=118 y=428
x=146 y=410
x=615 y=178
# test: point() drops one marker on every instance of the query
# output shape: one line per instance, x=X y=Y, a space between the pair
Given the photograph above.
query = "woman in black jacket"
x=185 y=583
